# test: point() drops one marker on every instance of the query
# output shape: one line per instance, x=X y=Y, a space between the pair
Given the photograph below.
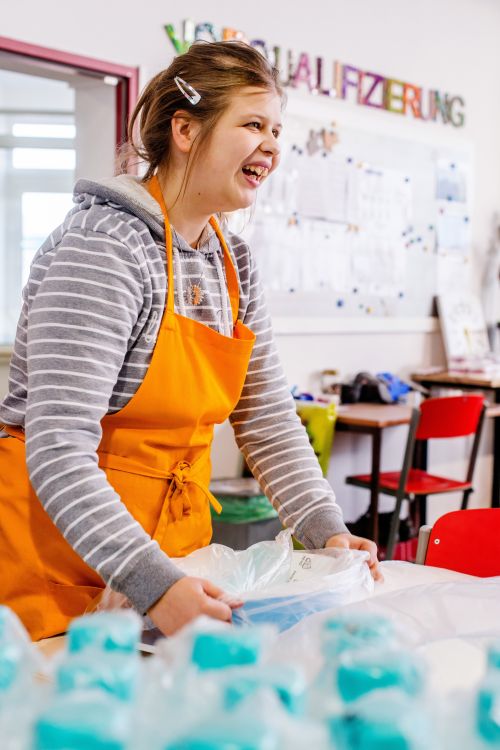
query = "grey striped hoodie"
x=90 y=315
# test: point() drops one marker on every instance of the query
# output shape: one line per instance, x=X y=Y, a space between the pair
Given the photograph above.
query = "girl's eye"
x=258 y=126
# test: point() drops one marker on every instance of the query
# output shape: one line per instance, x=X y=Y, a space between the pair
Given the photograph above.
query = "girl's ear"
x=185 y=130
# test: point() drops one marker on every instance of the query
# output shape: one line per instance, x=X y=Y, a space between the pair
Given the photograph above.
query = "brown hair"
x=215 y=70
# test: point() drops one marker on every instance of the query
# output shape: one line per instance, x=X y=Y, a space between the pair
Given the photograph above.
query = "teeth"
x=261 y=172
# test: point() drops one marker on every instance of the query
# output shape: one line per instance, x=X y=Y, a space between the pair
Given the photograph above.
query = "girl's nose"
x=271 y=146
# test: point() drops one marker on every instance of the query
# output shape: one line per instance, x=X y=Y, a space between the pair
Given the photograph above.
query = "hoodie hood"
x=127 y=193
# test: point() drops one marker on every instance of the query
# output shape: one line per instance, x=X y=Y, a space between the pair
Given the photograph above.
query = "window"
x=61 y=118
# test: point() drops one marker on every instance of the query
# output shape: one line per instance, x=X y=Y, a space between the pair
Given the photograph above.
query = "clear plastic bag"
x=383 y=719
x=256 y=567
x=278 y=584
x=237 y=571
x=22 y=669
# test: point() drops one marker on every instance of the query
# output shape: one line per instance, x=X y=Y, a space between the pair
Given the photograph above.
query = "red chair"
x=464 y=540
x=455 y=416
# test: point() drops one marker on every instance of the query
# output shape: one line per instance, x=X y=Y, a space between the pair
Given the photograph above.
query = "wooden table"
x=464 y=381
x=372 y=419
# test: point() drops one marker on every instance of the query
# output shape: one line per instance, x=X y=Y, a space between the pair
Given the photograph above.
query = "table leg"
x=495 y=494
x=374 y=487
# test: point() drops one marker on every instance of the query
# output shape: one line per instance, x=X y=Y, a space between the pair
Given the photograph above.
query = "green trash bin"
x=247 y=515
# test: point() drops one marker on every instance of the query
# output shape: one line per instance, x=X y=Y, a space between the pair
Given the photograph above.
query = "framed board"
x=464 y=329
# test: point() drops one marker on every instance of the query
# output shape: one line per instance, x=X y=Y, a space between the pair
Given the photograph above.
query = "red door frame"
x=126 y=90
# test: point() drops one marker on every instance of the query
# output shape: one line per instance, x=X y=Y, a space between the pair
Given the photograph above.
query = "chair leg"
x=393 y=533
x=465 y=499
x=400 y=495
x=422 y=501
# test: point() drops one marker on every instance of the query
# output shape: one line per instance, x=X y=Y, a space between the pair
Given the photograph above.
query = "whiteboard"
x=376 y=224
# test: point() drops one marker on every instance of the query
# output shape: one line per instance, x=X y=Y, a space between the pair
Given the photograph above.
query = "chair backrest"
x=466 y=541
x=453 y=416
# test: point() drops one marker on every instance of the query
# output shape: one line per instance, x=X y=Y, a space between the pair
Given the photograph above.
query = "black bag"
x=365 y=388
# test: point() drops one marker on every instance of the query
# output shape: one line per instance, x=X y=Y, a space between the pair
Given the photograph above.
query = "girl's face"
x=242 y=152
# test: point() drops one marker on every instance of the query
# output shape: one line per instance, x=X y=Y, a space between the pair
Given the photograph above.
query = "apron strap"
x=154 y=188
x=211 y=498
x=176 y=502
x=181 y=475
x=231 y=275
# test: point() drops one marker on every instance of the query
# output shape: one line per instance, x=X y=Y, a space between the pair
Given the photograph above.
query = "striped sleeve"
x=274 y=442
x=85 y=304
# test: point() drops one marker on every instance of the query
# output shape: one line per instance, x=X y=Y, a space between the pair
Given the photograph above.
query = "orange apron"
x=155 y=452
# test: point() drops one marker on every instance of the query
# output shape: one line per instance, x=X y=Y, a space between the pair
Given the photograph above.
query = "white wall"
x=95 y=127
x=451 y=45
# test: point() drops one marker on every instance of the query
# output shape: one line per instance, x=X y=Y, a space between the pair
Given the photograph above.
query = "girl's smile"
x=255 y=173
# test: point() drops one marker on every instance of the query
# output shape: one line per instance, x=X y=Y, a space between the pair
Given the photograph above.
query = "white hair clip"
x=189 y=92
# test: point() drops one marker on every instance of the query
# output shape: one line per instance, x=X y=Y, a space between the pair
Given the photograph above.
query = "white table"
x=448 y=617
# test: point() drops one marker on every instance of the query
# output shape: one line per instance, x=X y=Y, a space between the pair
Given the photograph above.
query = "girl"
x=141 y=329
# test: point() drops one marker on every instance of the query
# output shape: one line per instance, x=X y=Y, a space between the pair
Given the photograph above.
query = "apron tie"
x=176 y=498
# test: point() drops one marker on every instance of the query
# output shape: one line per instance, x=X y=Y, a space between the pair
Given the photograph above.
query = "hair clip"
x=189 y=92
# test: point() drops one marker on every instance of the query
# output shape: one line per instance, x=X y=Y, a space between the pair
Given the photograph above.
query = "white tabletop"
x=448 y=617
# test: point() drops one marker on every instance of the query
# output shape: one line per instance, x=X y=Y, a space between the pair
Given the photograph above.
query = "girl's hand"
x=187 y=599
x=349 y=541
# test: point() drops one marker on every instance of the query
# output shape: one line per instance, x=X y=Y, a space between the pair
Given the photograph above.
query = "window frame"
x=126 y=90
x=128 y=77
